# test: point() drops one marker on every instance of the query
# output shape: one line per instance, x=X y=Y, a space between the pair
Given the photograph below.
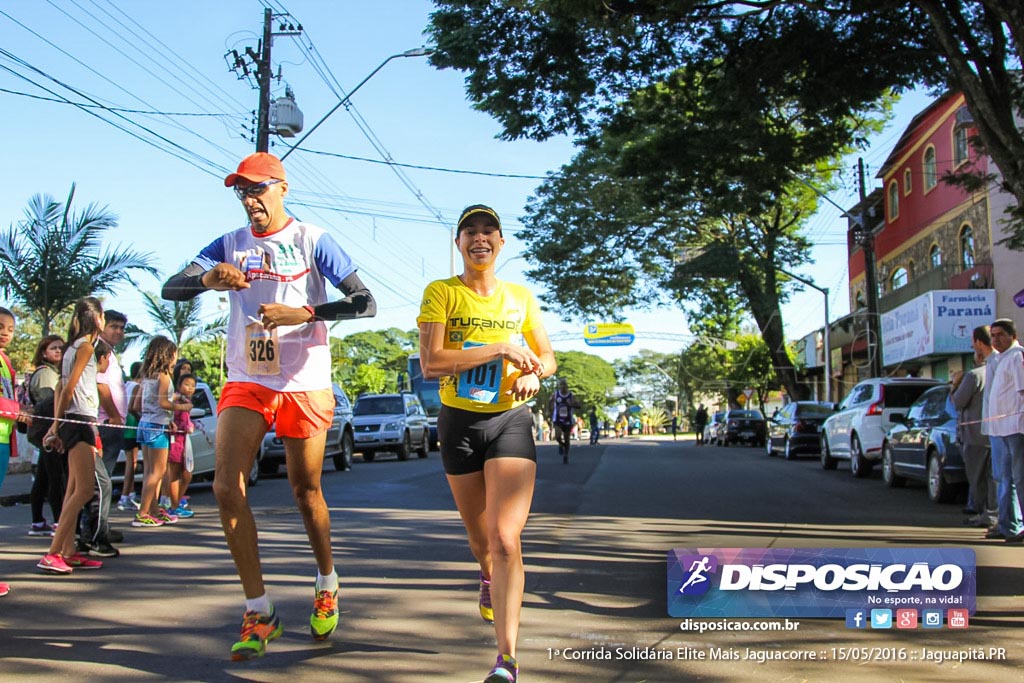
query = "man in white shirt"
x=97 y=535
x=1003 y=411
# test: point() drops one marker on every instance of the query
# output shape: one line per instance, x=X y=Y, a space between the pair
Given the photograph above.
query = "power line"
x=123 y=110
x=113 y=123
x=93 y=100
x=421 y=167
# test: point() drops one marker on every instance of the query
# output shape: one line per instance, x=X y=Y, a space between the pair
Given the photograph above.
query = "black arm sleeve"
x=185 y=285
x=358 y=302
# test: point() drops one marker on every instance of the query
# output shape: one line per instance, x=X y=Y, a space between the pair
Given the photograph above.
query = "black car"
x=746 y=426
x=797 y=428
x=923 y=446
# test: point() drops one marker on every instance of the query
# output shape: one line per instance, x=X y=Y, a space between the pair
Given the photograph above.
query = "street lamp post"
x=415 y=52
x=825 y=341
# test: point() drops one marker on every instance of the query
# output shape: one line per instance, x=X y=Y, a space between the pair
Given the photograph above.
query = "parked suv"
x=340 y=439
x=390 y=422
x=857 y=430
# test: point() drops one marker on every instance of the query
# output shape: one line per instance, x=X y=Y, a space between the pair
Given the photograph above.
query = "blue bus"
x=427 y=392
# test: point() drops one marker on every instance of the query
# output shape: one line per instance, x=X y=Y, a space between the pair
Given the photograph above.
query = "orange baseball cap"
x=256 y=168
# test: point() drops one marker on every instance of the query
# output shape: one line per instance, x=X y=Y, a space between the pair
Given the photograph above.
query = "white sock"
x=327 y=583
x=260 y=604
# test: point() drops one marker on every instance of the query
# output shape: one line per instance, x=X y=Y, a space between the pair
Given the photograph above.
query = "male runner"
x=276 y=271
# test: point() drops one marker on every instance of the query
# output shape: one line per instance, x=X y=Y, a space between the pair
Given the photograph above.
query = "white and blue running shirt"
x=288 y=267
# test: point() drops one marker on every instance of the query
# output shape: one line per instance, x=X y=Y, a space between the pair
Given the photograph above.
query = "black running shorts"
x=470 y=439
x=72 y=433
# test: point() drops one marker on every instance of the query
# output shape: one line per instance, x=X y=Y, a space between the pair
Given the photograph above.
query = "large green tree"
x=713 y=369
x=54 y=256
x=693 y=191
x=648 y=375
x=385 y=351
x=547 y=67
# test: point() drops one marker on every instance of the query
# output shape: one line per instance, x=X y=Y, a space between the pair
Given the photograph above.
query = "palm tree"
x=180 y=320
x=53 y=257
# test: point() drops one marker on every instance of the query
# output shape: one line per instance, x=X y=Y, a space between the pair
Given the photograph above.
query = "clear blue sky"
x=170 y=58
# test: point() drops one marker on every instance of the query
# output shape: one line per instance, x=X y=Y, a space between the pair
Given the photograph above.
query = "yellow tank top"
x=473 y=320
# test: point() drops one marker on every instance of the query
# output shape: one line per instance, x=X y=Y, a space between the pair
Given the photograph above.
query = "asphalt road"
x=595 y=606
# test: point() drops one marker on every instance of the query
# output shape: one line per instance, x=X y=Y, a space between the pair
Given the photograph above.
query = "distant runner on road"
x=560 y=407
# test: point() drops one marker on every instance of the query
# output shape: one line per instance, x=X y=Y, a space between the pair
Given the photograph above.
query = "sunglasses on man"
x=253 y=190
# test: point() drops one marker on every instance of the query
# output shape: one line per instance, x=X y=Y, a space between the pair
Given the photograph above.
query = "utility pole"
x=256 y=63
x=866 y=239
x=263 y=74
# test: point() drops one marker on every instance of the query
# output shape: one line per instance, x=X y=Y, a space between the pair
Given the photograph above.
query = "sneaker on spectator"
x=103 y=549
x=144 y=520
x=79 y=561
x=166 y=517
x=54 y=563
x=42 y=528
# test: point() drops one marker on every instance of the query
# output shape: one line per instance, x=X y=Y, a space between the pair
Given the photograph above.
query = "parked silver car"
x=204 y=416
x=390 y=422
x=340 y=439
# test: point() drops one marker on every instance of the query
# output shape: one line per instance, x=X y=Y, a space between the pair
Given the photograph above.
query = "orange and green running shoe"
x=257 y=630
x=324 y=619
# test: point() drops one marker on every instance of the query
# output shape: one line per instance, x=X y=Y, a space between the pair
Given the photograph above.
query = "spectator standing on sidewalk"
x=97 y=537
x=967 y=395
x=1003 y=411
x=129 y=499
x=50 y=477
x=595 y=427
x=74 y=430
x=700 y=421
x=12 y=410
